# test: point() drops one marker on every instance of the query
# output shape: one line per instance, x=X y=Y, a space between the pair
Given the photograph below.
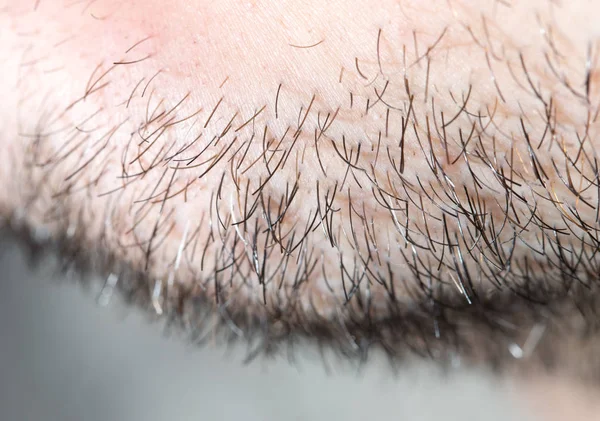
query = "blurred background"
x=65 y=357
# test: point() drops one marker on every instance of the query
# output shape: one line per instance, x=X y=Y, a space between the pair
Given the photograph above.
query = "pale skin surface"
x=301 y=166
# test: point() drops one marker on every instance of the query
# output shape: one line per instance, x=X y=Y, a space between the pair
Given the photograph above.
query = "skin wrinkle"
x=336 y=198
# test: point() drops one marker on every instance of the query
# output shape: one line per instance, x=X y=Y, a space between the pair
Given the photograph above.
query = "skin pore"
x=419 y=176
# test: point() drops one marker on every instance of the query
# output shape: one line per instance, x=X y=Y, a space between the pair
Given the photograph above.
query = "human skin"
x=420 y=176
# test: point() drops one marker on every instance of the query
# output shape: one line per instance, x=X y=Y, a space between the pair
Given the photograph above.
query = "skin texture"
x=554 y=399
x=421 y=177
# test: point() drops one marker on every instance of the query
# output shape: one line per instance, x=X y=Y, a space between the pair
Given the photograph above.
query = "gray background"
x=64 y=357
